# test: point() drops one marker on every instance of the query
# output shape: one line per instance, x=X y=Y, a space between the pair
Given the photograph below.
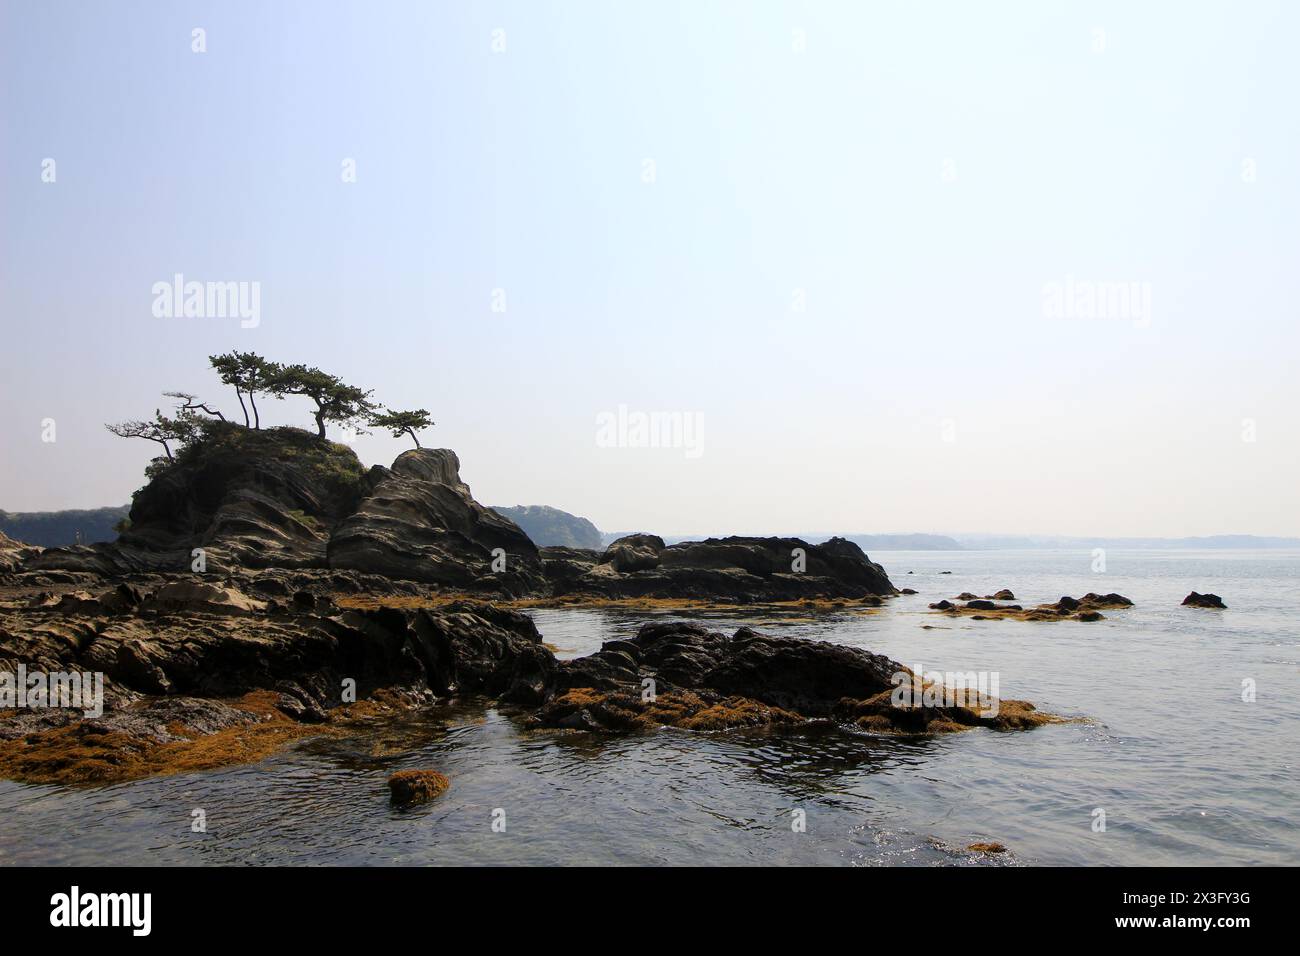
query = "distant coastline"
x=552 y=527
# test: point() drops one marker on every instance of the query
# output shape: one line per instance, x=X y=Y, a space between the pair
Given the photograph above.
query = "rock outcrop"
x=196 y=639
x=283 y=499
x=736 y=569
x=1086 y=608
x=13 y=554
x=420 y=522
x=247 y=498
x=1196 y=599
x=706 y=680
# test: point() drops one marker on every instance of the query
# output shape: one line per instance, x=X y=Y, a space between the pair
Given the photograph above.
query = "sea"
x=1183 y=751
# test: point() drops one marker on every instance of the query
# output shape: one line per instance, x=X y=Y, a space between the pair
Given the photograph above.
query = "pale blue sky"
x=776 y=170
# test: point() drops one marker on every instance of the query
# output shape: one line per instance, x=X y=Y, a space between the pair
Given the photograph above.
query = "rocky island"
x=268 y=586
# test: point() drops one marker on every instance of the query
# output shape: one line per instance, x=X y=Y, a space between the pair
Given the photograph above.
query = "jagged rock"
x=13 y=554
x=1196 y=599
x=704 y=680
x=248 y=498
x=462 y=648
x=563 y=567
x=192 y=596
x=737 y=569
x=808 y=677
x=634 y=552
x=420 y=522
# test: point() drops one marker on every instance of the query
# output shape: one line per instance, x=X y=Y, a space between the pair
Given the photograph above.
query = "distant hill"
x=903 y=542
x=58 y=529
x=1006 y=542
x=551 y=527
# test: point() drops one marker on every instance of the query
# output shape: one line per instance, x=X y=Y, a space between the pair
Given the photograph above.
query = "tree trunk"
x=257 y=419
x=411 y=432
x=320 y=424
x=240 y=396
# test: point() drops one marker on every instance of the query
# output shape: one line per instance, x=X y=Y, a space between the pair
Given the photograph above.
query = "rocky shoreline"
x=270 y=588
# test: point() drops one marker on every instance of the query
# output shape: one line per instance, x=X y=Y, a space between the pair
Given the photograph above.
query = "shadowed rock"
x=1196 y=599
x=736 y=569
x=704 y=680
x=419 y=522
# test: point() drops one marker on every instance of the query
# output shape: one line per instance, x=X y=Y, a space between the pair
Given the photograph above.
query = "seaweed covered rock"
x=1086 y=608
x=681 y=674
x=409 y=787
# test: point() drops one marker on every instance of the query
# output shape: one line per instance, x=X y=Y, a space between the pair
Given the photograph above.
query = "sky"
x=865 y=257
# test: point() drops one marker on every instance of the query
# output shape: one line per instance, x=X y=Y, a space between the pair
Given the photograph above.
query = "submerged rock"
x=1086 y=608
x=408 y=787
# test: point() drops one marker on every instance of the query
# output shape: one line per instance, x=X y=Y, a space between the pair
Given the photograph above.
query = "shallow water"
x=1185 y=770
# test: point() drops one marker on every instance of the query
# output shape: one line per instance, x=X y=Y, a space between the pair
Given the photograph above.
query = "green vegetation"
x=196 y=423
x=403 y=423
x=61 y=529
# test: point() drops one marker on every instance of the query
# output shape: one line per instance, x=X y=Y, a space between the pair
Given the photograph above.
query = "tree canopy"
x=336 y=402
x=402 y=423
x=249 y=374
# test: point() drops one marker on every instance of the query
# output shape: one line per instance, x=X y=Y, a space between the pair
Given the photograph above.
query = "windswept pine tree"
x=336 y=401
x=403 y=423
x=248 y=373
x=161 y=430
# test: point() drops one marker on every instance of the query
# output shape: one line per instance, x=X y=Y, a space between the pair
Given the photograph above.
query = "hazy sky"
x=824 y=234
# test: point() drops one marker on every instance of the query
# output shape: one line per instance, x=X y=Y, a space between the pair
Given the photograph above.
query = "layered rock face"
x=421 y=523
x=14 y=553
x=249 y=499
x=806 y=677
x=283 y=499
x=190 y=639
x=682 y=674
x=740 y=569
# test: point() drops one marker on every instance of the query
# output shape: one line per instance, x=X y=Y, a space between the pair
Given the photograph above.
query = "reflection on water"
x=1186 y=772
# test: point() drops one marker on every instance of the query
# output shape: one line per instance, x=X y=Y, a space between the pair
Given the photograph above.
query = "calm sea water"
x=1186 y=771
